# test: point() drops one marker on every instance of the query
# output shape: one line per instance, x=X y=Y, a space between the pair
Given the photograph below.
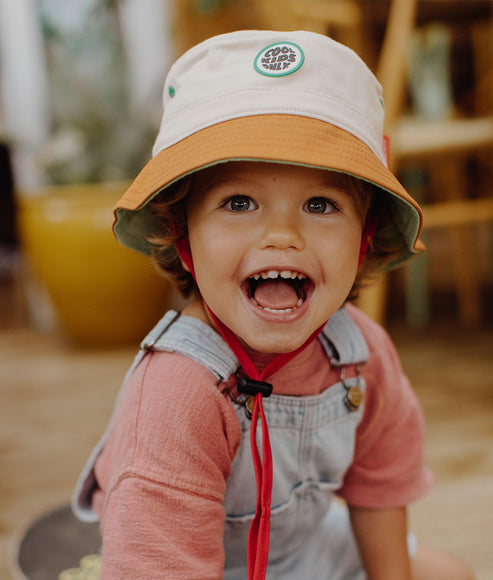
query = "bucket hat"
x=287 y=97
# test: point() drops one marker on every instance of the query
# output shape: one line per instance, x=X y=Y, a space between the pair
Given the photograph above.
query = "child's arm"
x=163 y=472
x=381 y=535
x=151 y=531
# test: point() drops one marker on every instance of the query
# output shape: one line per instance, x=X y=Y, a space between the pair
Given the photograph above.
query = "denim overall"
x=312 y=440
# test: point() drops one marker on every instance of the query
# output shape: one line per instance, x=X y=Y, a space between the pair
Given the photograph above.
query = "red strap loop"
x=259 y=535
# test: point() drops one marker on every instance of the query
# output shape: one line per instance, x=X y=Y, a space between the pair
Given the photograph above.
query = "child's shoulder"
x=182 y=364
x=169 y=388
x=380 y=344
x=368 y=327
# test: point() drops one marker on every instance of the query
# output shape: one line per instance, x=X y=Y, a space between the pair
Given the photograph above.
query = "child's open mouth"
x=278 y=291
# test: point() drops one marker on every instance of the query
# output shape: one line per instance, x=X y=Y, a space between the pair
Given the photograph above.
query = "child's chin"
x=272 y=346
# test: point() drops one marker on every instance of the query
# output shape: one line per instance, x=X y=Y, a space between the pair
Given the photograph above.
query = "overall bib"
x=312 y=440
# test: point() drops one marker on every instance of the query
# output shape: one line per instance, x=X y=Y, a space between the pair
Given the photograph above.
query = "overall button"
x=354 y=398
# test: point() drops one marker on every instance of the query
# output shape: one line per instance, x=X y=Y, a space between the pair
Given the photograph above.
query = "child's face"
x=296 y=226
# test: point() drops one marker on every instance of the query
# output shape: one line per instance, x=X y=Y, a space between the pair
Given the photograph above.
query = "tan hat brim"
x=277 y=138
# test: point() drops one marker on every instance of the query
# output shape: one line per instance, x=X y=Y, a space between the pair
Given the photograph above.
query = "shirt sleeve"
x=388 y=469
x=162 y=474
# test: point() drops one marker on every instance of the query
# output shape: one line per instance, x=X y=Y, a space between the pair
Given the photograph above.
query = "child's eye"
x=239 y=203
x=319 y=205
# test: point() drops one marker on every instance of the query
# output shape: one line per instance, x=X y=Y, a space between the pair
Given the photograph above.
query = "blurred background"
x=80 y=105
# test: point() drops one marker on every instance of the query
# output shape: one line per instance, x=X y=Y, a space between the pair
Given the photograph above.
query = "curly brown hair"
x=170 y=206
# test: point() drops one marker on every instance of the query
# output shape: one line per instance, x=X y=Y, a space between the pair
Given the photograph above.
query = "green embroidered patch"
x=279 y=59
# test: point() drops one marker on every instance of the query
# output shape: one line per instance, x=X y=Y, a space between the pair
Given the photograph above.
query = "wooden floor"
x=55 y=401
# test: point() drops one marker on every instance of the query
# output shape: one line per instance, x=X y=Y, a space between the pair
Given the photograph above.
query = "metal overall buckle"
x=354 y=394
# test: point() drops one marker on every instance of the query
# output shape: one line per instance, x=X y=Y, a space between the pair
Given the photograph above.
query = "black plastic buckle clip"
x=247 y=386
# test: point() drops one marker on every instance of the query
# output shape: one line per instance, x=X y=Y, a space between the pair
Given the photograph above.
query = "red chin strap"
x=259 y=535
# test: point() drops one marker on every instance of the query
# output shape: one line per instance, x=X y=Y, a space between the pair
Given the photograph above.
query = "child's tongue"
x=275 y=294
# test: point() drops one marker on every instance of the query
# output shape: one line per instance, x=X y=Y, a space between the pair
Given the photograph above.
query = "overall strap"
x=343 y=341
x=194 y=339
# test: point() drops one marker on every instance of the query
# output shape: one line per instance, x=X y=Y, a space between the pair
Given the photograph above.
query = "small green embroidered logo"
x=171 y=91
x=279 y=59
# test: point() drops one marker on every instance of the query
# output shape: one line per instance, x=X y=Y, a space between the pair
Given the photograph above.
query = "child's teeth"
x=276 y=311
x=275 y=274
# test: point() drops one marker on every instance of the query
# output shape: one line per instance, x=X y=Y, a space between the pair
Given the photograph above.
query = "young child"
x=269 y=202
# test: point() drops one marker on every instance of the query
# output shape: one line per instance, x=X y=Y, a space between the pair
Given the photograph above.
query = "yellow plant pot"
x=102 y=292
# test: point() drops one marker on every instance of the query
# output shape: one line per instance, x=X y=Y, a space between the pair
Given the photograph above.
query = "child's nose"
x=282 y=234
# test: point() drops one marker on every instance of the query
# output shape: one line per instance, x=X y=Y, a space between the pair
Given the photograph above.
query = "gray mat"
x=55 y=542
